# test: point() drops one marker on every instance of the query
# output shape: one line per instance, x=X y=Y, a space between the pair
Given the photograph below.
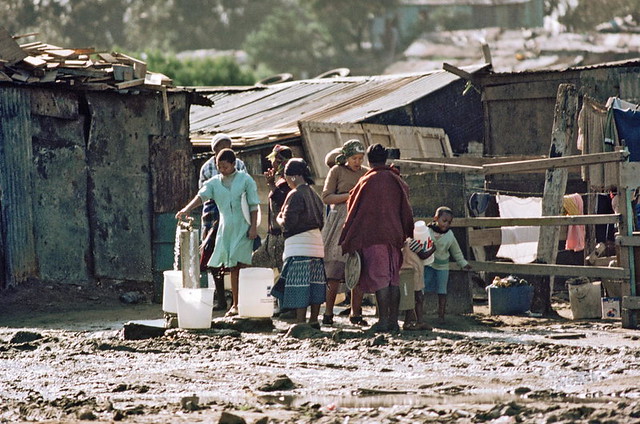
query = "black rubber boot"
x=394 y=306
x=383 y=298
x=220 y=303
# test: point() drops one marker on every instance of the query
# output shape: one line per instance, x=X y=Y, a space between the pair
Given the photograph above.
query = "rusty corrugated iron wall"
x=16 y=203
x=83 y=177
x=60 y=186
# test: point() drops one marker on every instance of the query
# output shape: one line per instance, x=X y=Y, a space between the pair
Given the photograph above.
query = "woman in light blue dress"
x=234 y=241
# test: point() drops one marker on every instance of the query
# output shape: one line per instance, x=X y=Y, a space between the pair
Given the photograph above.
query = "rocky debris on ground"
x=304 y=331
x=279 y=383
x=244 y=325
x=473 y=369
x=136 y=331
x=25 y=337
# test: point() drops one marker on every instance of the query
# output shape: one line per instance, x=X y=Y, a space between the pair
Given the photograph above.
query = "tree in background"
x=289 y=40
x=349 y=22
x=307 y=38
x=195 y=24
x=201 y=72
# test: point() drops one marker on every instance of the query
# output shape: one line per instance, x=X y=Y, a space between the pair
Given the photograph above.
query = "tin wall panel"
x=60 y=196
x=120 y=206
x=16 y=202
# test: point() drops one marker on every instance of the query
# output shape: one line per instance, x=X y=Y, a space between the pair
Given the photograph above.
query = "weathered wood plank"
x=493 y=222
x=493 y=236
x=548 y=269
x=435 y=166
x=564 y=124
x=553 y=163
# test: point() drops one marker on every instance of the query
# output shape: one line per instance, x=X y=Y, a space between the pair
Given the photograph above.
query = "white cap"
x=219 y=138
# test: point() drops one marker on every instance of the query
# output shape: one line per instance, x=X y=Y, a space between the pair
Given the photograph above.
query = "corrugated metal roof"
x=261 y=114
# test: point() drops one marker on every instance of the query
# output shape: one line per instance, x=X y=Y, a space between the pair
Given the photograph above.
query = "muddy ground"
x=64 y=358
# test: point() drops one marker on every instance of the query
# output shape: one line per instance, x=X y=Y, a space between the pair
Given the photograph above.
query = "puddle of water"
x=409 y=399
x=383 y=400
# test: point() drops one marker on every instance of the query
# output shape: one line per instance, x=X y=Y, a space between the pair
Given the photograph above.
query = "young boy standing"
x=436 y=275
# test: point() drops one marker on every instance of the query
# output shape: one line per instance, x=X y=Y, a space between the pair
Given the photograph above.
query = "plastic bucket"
x=254 y=292
x=172 y=282
x=195 y=307
x=585 y=300
x=509 y=300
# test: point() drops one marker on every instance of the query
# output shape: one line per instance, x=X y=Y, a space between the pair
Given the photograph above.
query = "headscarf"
x=350 y=148
x=377 y=153
x=298 y=167
x=285 y=154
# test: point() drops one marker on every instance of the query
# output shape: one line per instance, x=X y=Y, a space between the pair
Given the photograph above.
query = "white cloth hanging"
x=519 y=243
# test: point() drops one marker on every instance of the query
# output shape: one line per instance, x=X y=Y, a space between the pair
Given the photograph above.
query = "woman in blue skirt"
x=302 y=281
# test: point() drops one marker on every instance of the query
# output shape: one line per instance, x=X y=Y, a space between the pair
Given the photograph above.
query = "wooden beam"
x=486 y=53
x=457 y=71
x=552 y=163
x=131 y=83
x=551 y=269
x=493 y=236
x=627 y=241
x=533 y=221
x=435 y=166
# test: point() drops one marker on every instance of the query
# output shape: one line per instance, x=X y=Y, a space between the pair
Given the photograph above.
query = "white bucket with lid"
x=172 y=282
x=254 y=292
x=195 y=308
x=421 y=233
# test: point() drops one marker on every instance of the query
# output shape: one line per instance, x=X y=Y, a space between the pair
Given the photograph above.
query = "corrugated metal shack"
x=519 y=106
x=90 y=163
x=258 y=117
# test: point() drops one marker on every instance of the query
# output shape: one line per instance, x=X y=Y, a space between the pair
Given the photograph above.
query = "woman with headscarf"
x=234 y=239
x=342 y=177
x=269 y=254
x=379 y=220
x=302 y=281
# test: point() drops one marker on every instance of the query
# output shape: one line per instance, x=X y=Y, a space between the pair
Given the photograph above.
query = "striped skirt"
x=301 y=283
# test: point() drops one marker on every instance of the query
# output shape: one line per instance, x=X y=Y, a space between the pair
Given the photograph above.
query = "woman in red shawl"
x=379 y=220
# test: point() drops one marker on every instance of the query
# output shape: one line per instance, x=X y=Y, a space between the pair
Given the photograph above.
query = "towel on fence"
x=519 y=243
x=573 y=205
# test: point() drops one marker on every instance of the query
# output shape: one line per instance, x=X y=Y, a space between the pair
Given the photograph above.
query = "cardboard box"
x=610 y=307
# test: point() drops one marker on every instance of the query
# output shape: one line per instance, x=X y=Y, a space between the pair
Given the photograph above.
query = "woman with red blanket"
x=379 y=220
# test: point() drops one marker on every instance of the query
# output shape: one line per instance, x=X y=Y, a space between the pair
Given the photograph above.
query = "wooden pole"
x=563 y=133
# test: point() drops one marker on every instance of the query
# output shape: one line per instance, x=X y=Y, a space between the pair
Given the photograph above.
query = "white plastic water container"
x=254 y=292
x=172 y=282
x=421 y=233
x=585 y=300
x=195 y=308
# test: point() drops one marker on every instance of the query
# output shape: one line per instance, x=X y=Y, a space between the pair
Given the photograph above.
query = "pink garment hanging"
x=573 y=205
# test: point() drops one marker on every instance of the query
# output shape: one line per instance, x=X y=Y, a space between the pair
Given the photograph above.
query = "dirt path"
x=74 y=366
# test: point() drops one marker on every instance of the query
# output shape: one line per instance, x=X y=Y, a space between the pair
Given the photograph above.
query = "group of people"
x=363 y=211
